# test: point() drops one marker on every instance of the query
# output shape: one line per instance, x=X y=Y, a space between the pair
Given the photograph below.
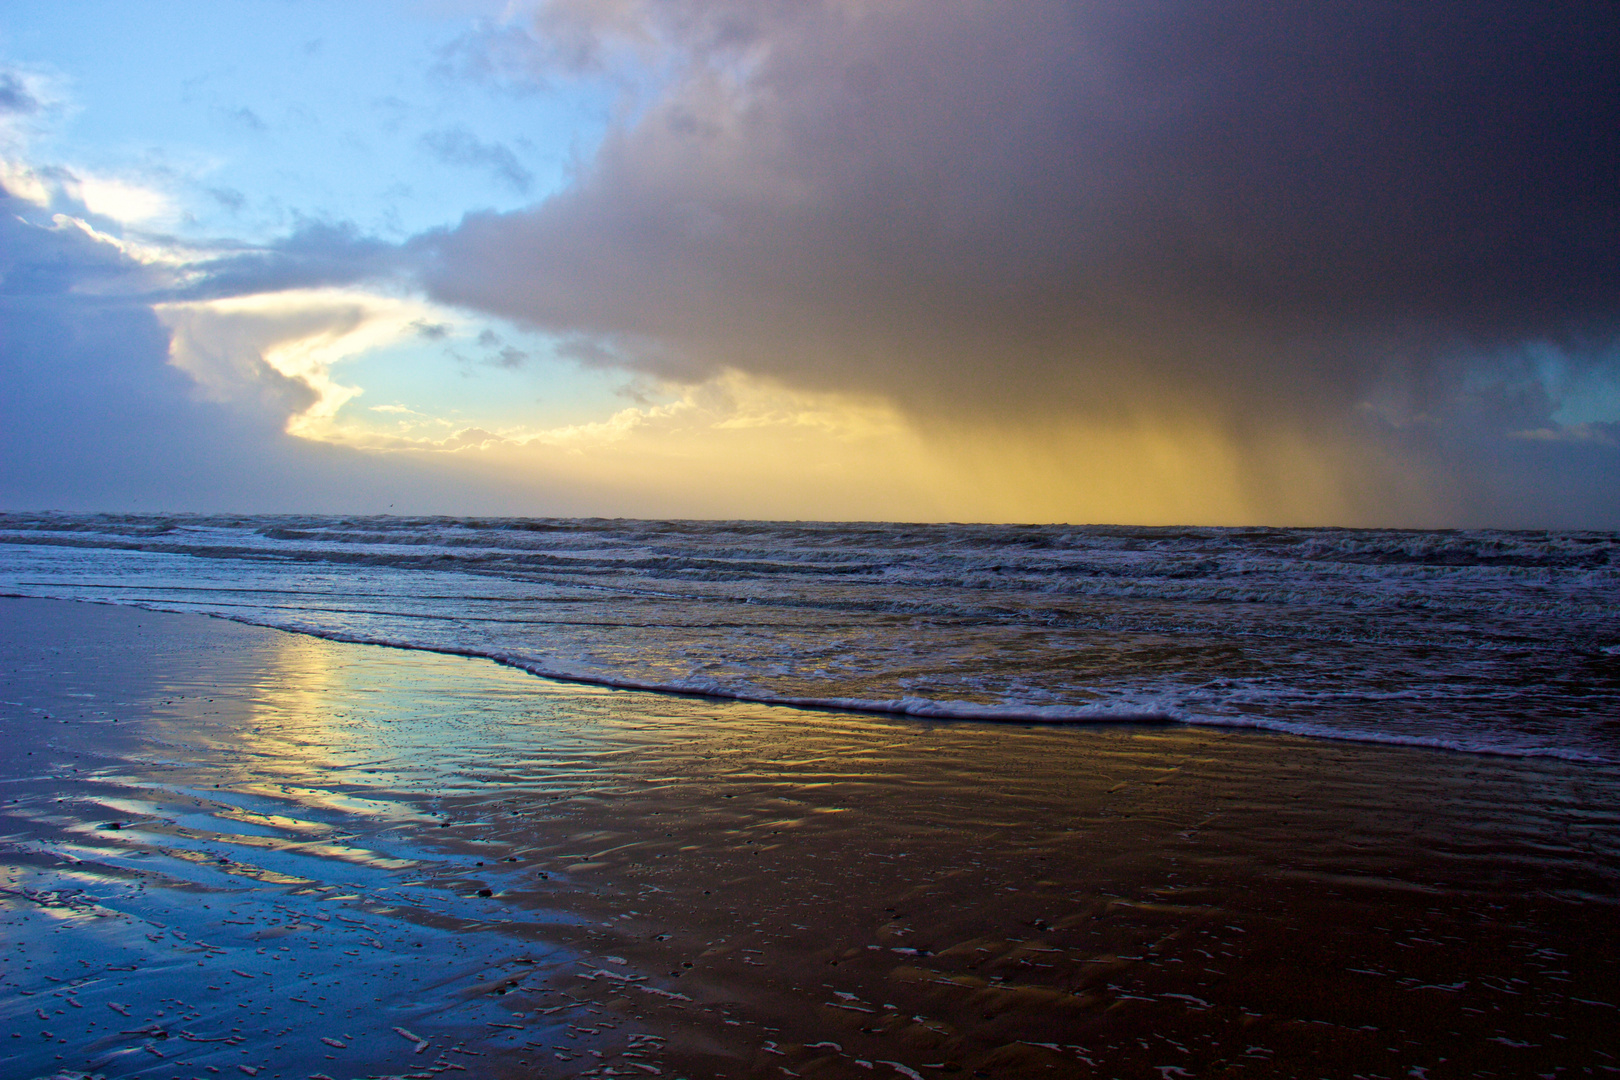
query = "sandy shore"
x=230 y=851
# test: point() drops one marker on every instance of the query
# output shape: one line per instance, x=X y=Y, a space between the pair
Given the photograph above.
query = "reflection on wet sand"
x=292 y=857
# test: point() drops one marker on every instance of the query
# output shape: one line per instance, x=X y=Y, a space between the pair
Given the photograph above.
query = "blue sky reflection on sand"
x=410 y=723
x=239 y=829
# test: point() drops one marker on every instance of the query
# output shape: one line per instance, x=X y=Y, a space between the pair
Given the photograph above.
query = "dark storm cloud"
x=1102 y=209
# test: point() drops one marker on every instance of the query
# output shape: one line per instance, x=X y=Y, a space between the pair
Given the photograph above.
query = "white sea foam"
x=1487 y=642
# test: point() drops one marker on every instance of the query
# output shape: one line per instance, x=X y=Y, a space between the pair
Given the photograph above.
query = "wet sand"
x=231 y=851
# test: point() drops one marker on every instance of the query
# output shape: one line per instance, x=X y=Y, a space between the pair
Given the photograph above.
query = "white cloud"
x=19 y=180
x=125 y=201
x=279 y=348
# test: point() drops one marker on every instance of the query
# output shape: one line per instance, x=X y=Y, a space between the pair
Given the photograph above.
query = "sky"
x=1328 y=262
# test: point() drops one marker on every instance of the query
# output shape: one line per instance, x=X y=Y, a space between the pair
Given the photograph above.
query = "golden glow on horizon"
x=743 y=446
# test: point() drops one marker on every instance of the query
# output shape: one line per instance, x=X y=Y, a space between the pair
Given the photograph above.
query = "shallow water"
x=1499 y=642
x=726 y=889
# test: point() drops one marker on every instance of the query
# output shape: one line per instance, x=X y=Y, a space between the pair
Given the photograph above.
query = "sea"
x=1486 y=642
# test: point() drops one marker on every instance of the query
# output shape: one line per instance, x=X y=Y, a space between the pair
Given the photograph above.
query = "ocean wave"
x=1490 y=642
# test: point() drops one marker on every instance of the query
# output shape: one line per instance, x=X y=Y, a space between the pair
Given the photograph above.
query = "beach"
x=231 y=850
